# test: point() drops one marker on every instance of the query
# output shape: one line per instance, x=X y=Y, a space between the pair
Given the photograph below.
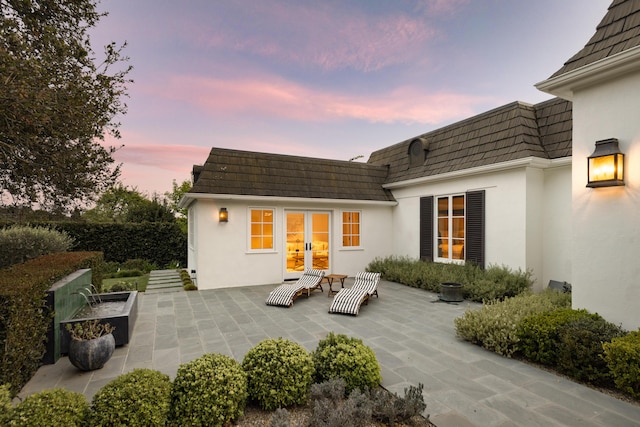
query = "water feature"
x=119 y=309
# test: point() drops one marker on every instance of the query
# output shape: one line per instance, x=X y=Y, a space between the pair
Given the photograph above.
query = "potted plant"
x=92 y=344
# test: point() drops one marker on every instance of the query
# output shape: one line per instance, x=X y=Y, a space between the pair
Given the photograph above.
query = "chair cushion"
x=284 y=294
x=348 y=301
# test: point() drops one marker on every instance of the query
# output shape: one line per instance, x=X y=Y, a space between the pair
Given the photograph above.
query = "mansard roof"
x=236 y=172
x=510 y=132
x=618 y=31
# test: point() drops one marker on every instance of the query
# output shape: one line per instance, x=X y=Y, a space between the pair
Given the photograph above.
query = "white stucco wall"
x=516 y=214
x=606 y=221
x=222 y=258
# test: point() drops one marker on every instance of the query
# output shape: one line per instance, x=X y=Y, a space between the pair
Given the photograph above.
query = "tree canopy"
x=57 y=101
x=121 y=204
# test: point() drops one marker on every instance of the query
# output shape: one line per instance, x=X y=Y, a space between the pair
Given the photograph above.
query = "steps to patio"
x=162 y=281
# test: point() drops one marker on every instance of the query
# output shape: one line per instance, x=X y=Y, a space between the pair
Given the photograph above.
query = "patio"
x=412 y=336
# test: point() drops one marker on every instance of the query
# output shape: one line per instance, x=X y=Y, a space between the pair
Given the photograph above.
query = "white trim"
x=535 y=162
x=608 y=68
x=189 y=198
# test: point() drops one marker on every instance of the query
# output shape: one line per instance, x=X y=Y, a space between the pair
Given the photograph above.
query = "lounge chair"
x=285 y=294
x=349 y=300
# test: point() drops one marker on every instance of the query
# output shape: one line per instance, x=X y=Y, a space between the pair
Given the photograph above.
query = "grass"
x=141 y=280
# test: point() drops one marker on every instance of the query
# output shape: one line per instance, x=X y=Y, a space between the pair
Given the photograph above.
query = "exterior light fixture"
x=605 y=166
x=223 y=215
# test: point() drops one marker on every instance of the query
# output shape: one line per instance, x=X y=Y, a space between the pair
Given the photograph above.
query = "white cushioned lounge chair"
x=349 y=300
x=285 y=294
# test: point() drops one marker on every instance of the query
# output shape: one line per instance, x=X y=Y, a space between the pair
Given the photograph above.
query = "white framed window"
x=450 y=228
x=191 y=227
x=261 y=229
x=351 y=228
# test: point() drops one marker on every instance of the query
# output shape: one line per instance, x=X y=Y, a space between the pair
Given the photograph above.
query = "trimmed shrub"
x=208 y=391
x=538 y=333
x=623 y=358
x=279 y=373
x=339 y=356
x=494 y=326
x=22 y=287
x=494 y=282
x=19 y=243
x=580 y=352
x=138 y=398
x=6 y=408
x=56 y=407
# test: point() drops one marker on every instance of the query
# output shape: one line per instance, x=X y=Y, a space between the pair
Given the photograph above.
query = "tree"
x=57 y=101
x=174 y=197
x=121 y=204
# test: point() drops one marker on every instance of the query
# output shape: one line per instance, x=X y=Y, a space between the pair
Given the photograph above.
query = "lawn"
x=140 y=280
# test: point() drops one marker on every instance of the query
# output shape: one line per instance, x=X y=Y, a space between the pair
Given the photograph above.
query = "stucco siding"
x=223 y=258
x=606 y=221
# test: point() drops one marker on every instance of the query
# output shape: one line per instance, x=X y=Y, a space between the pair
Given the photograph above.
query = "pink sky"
x=331 y=79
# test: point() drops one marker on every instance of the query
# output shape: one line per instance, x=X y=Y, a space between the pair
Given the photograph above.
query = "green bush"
x=138 y=398
x=56 y=407
x=339 y=356
x=495 y=282
x=6 y=408
x=623 y=358
x=208 y=391
x=19 y=243
x=22 y=287
x=494 y=326
x=279 y=373
x=580 y=352
x=538 y=333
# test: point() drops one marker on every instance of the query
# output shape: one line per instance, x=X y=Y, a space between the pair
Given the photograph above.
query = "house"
x=602 y=81
x=505 y=187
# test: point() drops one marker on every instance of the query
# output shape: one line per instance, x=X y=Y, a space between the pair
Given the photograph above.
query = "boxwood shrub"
x=279 y=373
x=538 y=333
x=137 y=398
x=55 y=407
x=580 y=349
x=208 y=391
x=623 y=358
x=494 y=326
x=6 y=408
x=339 y=356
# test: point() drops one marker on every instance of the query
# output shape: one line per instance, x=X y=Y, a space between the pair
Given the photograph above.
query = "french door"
x=307 y=242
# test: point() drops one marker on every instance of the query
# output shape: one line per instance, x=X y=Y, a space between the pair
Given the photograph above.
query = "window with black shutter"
x=460 y=228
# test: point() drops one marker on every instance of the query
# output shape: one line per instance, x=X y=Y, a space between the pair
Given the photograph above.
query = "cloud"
x=278 y=98
x=325 y=35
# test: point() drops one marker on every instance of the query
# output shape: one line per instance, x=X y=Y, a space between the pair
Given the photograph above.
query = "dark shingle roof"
x=618 y=31
x=510 y=132
x=262 y=174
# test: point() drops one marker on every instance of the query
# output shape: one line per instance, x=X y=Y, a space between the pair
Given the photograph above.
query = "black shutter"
x=426 y=228
x=474 y=245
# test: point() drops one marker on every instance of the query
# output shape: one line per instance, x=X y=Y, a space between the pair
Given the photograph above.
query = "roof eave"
x=565 y=85
x=189 y=198
x=535 y=162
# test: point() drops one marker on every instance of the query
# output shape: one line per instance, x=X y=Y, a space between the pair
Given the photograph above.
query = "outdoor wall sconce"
x=605 y=166
x=223 y=215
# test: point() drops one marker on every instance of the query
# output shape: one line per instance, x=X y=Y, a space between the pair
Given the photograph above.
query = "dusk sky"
x=332 y=79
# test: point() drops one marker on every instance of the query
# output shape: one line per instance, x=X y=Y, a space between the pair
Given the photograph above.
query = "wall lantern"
x=605 y=166
x=223 y=215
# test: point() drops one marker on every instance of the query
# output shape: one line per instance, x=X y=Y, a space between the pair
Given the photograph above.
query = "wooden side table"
x=330 y=278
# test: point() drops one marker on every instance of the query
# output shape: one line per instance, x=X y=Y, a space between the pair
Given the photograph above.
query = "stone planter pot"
x=88 y=355
x=451 y=292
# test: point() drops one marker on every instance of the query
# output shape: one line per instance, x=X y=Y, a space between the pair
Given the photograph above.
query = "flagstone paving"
x=411 y=333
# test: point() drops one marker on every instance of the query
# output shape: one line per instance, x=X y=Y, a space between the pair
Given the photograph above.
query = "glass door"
x=307 y=242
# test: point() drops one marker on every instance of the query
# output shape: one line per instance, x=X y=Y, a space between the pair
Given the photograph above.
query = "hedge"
x=23 y=318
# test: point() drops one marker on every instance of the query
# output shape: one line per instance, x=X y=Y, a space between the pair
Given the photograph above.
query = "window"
x=458 y=232
x=261 y=229
x=350 y=228
x=450 y=240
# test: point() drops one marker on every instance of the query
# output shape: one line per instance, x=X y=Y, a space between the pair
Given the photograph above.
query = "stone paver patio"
x=412 y=336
